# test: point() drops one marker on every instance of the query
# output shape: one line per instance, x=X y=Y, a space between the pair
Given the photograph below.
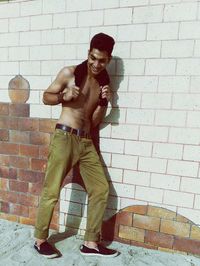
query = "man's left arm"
x=101 y=108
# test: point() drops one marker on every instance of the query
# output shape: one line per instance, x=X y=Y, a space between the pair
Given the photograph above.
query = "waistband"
x=78 y=132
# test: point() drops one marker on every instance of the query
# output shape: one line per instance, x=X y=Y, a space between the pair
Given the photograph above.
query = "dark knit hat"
x=102 y=42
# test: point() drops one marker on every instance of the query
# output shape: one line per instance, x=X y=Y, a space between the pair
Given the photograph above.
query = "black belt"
x=77 y=132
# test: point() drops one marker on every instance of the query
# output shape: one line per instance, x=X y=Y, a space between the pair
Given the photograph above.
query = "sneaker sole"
x=100 y=255
x=46 y=256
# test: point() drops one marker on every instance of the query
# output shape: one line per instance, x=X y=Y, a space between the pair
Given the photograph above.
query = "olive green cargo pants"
x=65 y=150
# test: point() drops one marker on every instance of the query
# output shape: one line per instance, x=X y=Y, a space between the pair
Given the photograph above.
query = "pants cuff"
x=40 y=234
x=91 y=237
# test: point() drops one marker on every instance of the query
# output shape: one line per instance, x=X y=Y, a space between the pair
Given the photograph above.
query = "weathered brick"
x=19 y=110
x=145 y=222
x=187 y=245
x=9 y=196
x=13 y=123
x=35 y=188
x=139 y=209
x=175 y=228
x=16 y=185
x=143 y=245
x=4 y=135
x=29 y=150
x=30 y=176
x=25 y=220
x=28 y=124
x=46 y=125
x=131 y=233
x=43 y=151
x=4 y=184
x=182 y=219
x=7 y=172
x=195 y=232
x=38 y=165
x=4 y=160
x=161 y=212
x=27 y=200
x=19 y=136
x=159 y=239
x=19 y=162
x=5 y=207
x=32 y=212
x=39 y=138
x=4 y=109
x=9 y=148
x=9 y=217
x=125 y=218
x=20 y=210
x=4 y=122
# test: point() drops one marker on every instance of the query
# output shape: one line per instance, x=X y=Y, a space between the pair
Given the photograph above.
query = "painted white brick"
x=77 y=35
x=30 y=68
x=149 y=133
x=124 y=3
x=193 y=215
x=132 y=33
x=39 y=82
x=114 y=174
x=197 y=48
x=195 y=84
x=165 y=181
x=156 y=101
x=63 y=52
x=124 y=161
x=90 y=18
x=143 y=84
x=190 y=185
x=131 y=67
x=106 y=159
x=96 y=4
x=65 y=20
x=110 y=30
x=9 y=39
x=34 y=97
x=18 y=53
x=111 y=68
x=41 y=22
x=162 y=31
x=30 y=8
x=118 y=16
x=41 y=111
x=119 y=83
x=4 y=96
x=113 y=203
x=184 y=136
x=61 y=218
x=188 y=102
x=51 y=67
x=174 y=84
x=163 y=1
x=52 y=36
x=40 y=52
x=148 y=14
x=165 y=206
x=165 y=150
x=152 y=165
x=116 y=115
x=136 y=178
x=62 y=193
x=9 y=10
x=145 y=49
x=4 y=54
x=138 y=148
x=193 y=119
x=189 y=30
x=52 y=6
x=183 y=168
x=82 y=51
x=197 y=202
x=170 y=118
x=178 y=198
x=149 y=194
x=108 y=214
x=70 y=207
x=112 y=145
x=19 y=24
x=29 y=38
x=191 y=153
x=138 y=116
x=122 y=50
x=77 y=196
x=122 y=190
x=5 y=80
x=180 y=12
x=124 y=202
x=160 y=67
x=177 y=48
x=4 y=25
x=77 y=5
x=125 y=131
x=188 y=66
x=56 y=111
x=127 y=99
x=11 y=68
x=105 y=130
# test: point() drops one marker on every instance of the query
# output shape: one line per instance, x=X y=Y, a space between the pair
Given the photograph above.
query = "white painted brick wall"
x=150 y=137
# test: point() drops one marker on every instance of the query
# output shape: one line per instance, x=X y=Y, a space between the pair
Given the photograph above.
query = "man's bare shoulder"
x=67 y=72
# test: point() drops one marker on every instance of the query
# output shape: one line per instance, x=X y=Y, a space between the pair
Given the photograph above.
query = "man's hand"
x=71 y=93
x=106 y=93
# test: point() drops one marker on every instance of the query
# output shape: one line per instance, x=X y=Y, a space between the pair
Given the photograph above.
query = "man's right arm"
x=58 y=92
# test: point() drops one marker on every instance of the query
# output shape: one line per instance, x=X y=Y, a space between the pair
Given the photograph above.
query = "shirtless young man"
x=84 y=93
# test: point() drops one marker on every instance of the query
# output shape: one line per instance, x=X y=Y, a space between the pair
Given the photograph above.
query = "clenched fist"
x=71 y=93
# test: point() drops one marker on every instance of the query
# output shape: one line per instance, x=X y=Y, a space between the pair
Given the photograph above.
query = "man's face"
x=97 y=61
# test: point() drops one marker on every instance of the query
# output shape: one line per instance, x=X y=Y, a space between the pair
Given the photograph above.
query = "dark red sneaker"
x=46 y=250
x=99 y=251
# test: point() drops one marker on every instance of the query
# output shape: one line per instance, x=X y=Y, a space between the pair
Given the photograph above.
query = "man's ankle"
x=90 y=244
x=40 y=241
